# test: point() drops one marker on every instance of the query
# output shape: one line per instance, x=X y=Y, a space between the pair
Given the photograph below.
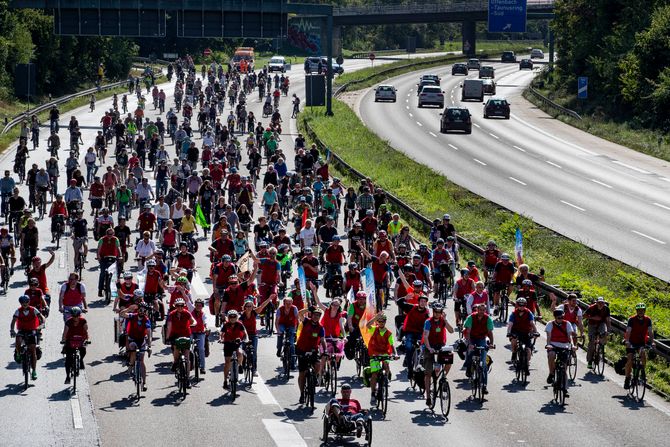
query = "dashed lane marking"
x=658 y=241
x=632 y=168
x=662 y=206
x=452 y=146
x=519 y=148
x=480 y=162
x=518 y=181
x=573 y=205
x=554 y=164
x=601 y=183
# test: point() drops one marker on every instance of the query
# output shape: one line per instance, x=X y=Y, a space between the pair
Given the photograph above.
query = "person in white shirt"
x=144 y=249
x=144 y=191
x=307 y=236
x=162 y=212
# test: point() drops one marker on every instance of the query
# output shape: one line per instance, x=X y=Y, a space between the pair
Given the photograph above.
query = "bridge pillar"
x=469 y=36
x=551 y=48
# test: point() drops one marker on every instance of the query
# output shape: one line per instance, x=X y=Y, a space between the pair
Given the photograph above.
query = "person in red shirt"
x=222 y=246
x=286 y=324
x=36 y=296
x=221 y=279
x=28 y=321
x=312 y=337
x=138 y=336
x=200 y=332
x=473 y=271
x=185 y=260
x=109 y=252
x=248 y=318
x=233 y=297
x=434 y=339
x=412 y=328
x=352 y=279
x=490 y=257
x=347 y=412
x=125 y=290
x=639 y=333
x=502 y=279
x=233 y=334
x=39 y=270
x=179 y=324
x=75 y=334
x=270 y=270
x=521 y=328
x=146 y=221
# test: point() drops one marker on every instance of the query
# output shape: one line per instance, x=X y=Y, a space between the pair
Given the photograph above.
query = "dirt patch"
x=351 y=98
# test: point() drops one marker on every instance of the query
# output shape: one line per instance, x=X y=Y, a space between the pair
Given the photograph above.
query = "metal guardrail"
x=662 y=347
x=548 y=102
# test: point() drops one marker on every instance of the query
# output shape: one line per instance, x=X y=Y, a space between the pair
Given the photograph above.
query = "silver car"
x=385 y=93
x=536 y=53
x=431 y=95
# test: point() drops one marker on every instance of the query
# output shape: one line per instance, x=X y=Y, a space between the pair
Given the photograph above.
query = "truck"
x=243 y=54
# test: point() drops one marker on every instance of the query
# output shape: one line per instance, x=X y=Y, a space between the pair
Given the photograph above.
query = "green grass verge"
x=626 y=133
x=379 y=72
x=569 y=264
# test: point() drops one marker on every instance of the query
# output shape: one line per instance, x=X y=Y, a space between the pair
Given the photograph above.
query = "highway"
x=608 y=197
x=104 y=412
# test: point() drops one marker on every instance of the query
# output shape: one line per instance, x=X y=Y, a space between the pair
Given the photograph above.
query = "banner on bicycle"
x=244 y=264
x=368 y=281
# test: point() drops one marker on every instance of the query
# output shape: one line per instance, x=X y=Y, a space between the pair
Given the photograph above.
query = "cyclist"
x=200 y=332
x=74 y=327
x=413 y=325
x=179 y=324
x=28 y=320
x=502 y=279
x=125 y=290
x=138 y=336
x=109 y=249
x=528 y=292
x=144 y=249
x=233 y=333
x=312 y=337
x=598 y=317
x=559 y=335
x=434 y=338
x=381 y=343
x=463 y=287
x=491 y=257
x=478 y=333
x=72 y=295
x=573 y=314
x=7 y=185
x=39 y=270
x=80 y=236
x=347 y=411
x=103 y=222
x=286 y=324
x=639 y=333
x=248 y=318
x=520 y=328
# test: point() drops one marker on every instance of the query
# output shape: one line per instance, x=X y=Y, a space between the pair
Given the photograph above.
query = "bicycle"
x=76 y=343
x=572 y=361
x=195 y=357
x=330 y=372
x=182 y=373
x=440 y=384
x=111 y=261
x=270 y=319
x=234 y=372
x=79 y=259
x=412 y=362
x=58 y=229
x=444 y=283
x=42 y=202
x=522 y=363
x=382 y=383
x=560 y=385
x=139 y=370
x=477 y=380
x=311 y=379
x=27 y=356
x=599 y=355
x=286 y=357
x=248 y=365
x=361 y=356
x=638 y=380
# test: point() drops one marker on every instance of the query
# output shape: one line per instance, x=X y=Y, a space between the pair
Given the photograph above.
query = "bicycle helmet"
x=34 y=282
x=179 y=302
x=232 y=313
x=446 y=217
x=505 y=256
x=127 y=275
x=353 y=266
x=337 y=238
x=138 y=294
x=437 y=307
x=361 y=294
x=440 y=241
x=233 y=170
x=282 y=247
x=75 y=311
x=226 y=258
x=640 y=306
x=23 y=299
x=182 y=280
x=526 y=282
x=151 y=263
x=417 y=283
x=345 y=387
x=382 y=318
x=401 y=246
x=159 y=252
x=263 y=244
x=382 y=233
x=464 y=272
x=199 y=301
x=308 y=250
x=521 y=302
x=559 y=312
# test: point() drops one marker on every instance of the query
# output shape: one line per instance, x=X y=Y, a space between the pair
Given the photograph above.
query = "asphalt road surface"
x=105 y=412
x=598 y=193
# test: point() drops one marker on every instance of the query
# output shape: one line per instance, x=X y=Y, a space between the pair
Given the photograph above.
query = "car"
x=337 y=68
x=430 y=77
x=487 y=72
x=496 y=107
x=459 y=68
x=424 y=83
x=472 y=89
x=508 y=56
x=536 y=53
x=311 y=65
x=431 y=95
x=525 y=63
x=473 y=64
x=277 y=63
x=385 y=93
x=456 y=118
x=489 y=86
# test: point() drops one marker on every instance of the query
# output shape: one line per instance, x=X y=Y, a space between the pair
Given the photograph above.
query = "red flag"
x=305 y=214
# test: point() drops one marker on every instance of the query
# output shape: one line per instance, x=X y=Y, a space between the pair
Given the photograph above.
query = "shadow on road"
x=551 y=408
x=592 y=377
x=11 y=389
x=13 y=365
x=428 y=417
x=296 y=415
x=628 y=402
x=173 y=398
x=61 y=395
x=470 y=405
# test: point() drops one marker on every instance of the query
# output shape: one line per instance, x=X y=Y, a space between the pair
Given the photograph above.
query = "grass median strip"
x=569 y=264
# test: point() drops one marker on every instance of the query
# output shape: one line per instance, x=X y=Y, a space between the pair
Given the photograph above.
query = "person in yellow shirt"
x=188 y=225
x=394 y=227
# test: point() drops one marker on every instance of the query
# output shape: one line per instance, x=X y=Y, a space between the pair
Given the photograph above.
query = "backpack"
x=620 y=365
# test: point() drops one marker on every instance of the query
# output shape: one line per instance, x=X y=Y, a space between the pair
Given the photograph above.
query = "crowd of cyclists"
x=283 y=267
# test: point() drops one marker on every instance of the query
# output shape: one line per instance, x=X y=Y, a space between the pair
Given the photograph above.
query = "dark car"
x=496 y=107
x=459 y=68
x=526 y=63
x=508 y=56
x=489 y=86
x=456 y=118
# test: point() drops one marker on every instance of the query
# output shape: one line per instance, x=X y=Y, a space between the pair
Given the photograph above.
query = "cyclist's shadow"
x=551 y=408
x=428 y=417
x=628 y=402
x=470 y=405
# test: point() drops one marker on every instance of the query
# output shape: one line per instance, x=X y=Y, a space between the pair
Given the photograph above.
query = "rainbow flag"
x=368 y=282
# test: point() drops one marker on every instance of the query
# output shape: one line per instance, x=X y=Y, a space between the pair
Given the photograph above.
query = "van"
x=243 y=53
x=472 y=89
x=487 y=72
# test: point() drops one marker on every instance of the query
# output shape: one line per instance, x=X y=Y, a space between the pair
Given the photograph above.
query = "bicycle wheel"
x=233 y=381
x=434 y=392
x=572 y=366
x=640 y=383
x=599 y=359
x=138 y=376
x=75 y=370
x=359 y=362
x=445 y=397
x=249 y=369
x=183 y=377
x=26 y=362
x=559 y=386
x=196 y=365
x=474 y=381
x=286 y=361
x=311 y=389
x=333 y=377
x=368 y=432
x=384 y=397
x=108 y=288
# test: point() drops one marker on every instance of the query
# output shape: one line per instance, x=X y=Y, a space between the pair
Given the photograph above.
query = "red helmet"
x=73 y=182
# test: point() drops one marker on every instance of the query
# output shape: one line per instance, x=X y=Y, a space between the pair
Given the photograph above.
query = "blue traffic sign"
x=507 y=16
x=582 y=87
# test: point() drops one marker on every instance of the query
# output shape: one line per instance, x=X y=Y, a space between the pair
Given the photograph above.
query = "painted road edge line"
x=263 y=392
x=632 y=168
x=283 y=433
x=76 y=412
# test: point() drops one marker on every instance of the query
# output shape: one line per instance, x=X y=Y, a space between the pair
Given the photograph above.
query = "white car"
x=431 y=95
x=536 y=53
x=277 y=63
x=385 y=93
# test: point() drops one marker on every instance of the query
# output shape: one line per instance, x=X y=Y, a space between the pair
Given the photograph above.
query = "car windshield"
x=385 y=88
x=457 y=113
x=276 y=60
x=431 y=89
x=497 y=102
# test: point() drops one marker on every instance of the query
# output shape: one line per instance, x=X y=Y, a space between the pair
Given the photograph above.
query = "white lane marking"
x=61 y=259
x=433 y=134
x=633 y=168
x=263 y=392
x=419 y=124
x=648 y=237
x=573 y=205
x=537 y=129
x=601 y=183
x=662 y=206
x=410 y=90
x=477 y=125
x=199 y=286
x=518 y=181
x=411 y=116
x=283 y=433
x=554 y=164
x=665 y=179
x=494 y=136
x=452 y=146
x=520 y=148
x=480 y=162
x=407 y=107
x=76 y=413
x=407 y=100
